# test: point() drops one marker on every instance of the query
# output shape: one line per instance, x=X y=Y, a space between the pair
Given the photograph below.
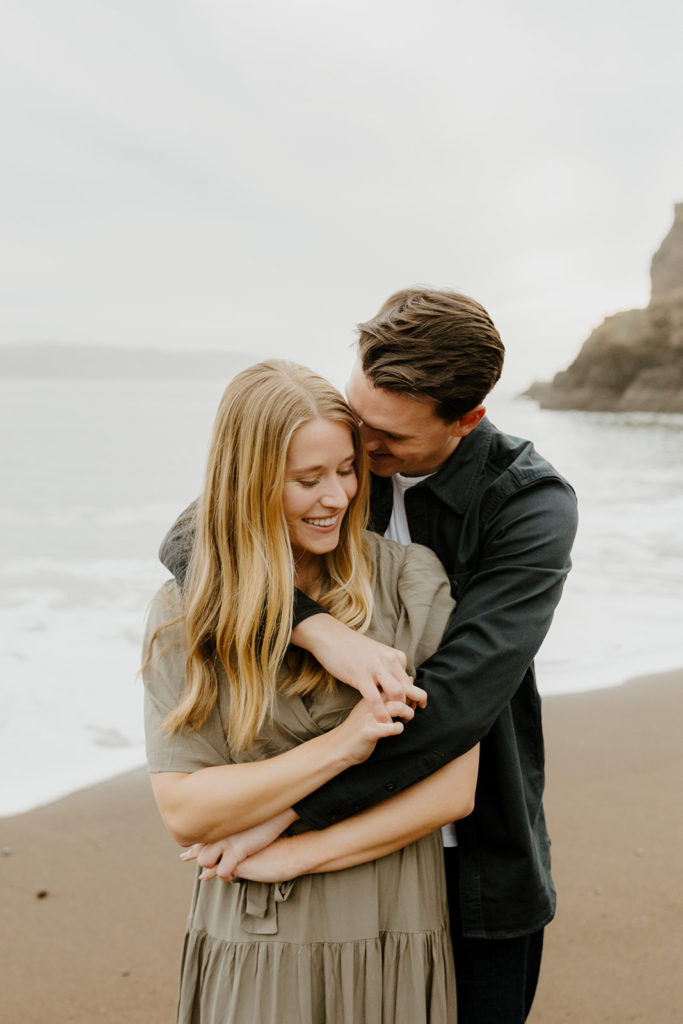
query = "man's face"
x=402 y=434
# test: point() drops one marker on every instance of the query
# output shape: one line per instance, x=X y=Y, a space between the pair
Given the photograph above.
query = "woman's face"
x=320 y=481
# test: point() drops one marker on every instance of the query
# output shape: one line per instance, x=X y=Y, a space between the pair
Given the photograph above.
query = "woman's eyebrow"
x=316 y=469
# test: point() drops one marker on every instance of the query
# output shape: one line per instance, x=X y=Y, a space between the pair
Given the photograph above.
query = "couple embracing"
x=342 y=669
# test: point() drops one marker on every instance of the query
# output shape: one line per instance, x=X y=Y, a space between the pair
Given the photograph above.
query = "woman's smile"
x=320 y=481
x=322 y=523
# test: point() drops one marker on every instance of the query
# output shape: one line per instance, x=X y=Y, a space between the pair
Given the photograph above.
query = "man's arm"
x=176 y=547
x=493 y=636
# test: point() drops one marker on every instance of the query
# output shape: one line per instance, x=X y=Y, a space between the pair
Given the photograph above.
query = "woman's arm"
x=443 y=797
x=221 y=858
x=204 y=806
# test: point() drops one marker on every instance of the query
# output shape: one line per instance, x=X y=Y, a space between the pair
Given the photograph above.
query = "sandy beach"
x=94 y=897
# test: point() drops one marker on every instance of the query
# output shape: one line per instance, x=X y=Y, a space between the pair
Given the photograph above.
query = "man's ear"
x=466 y=424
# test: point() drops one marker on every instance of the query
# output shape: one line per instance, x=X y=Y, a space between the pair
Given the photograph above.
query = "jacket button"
x=390 y=786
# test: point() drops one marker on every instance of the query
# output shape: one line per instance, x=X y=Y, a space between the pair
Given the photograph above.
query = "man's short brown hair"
x=433 y=344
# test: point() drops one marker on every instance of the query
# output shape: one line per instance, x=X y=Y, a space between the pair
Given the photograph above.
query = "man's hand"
x=378 y=672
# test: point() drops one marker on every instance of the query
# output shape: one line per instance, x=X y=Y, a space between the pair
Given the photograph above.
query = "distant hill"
x=99 y=363
x=634 y=360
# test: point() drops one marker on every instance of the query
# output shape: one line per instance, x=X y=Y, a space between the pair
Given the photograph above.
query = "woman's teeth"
x=322 y=522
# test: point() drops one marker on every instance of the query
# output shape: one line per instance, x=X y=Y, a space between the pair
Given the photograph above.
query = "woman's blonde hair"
x=239 y=593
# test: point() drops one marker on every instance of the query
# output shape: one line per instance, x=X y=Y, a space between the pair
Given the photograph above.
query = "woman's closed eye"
x=351 y=471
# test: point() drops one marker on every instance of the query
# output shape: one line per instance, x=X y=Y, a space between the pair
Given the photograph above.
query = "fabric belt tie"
x=258 y=915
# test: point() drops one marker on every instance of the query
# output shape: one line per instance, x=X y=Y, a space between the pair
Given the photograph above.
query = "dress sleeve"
x=164 y=680
x=413 y=600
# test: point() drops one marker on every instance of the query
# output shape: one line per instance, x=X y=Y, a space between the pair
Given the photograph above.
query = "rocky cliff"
x=633 y=360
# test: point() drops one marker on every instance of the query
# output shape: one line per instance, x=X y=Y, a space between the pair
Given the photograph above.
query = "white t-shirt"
x=398 y=530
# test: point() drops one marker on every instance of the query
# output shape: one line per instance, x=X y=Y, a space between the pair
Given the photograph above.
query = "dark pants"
x=496 y=978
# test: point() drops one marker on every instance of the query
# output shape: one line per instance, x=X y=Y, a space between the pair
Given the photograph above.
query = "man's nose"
x=371 y=440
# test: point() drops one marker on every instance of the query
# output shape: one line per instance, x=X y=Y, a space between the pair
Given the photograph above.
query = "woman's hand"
x=377 y=671
x=276 y=862
x=220 y=859
x=360 y=731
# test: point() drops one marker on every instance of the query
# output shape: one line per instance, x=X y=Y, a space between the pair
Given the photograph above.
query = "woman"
x=240 y=726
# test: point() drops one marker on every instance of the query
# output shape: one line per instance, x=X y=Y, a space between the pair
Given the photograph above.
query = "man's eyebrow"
x=389 y=433
x=379 y=430
x=397 y=437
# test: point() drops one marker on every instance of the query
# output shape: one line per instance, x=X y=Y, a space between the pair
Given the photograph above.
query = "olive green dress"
x=366 y=945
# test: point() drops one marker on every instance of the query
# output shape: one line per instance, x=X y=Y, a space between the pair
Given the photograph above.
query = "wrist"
x=304 y=854
x=308 y=633
x=340 y=756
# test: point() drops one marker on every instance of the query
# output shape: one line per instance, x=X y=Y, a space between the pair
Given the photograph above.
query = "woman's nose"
x=335 y=495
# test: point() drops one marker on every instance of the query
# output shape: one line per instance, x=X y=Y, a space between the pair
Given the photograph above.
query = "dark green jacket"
x=502 y=521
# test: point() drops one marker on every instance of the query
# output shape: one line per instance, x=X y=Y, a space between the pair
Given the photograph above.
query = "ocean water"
x=93 y=474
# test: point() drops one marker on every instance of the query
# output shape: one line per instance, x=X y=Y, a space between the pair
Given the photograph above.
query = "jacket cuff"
x=304 y=607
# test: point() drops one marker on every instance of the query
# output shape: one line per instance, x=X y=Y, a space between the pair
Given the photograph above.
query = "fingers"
x=207 y=873
x=411 y=694
x=226 y=869
x=392 y=688
x=209 y=855
x=215 y=860
x=383 y=686
x=417 y=695
x=399 y=709
x=191 y=852
x=394 y=683
x=375 y=701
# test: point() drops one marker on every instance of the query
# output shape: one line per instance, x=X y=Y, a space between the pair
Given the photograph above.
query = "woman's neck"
x=308 y=573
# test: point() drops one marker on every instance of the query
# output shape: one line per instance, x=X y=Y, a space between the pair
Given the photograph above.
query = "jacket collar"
x=467 y=463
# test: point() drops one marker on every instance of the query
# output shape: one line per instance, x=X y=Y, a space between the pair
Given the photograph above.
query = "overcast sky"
x=262 y=175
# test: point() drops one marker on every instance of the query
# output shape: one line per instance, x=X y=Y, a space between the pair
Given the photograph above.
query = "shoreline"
x=94 y=897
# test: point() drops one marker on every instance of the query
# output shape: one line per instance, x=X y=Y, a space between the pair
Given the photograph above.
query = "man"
x=502 y=521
